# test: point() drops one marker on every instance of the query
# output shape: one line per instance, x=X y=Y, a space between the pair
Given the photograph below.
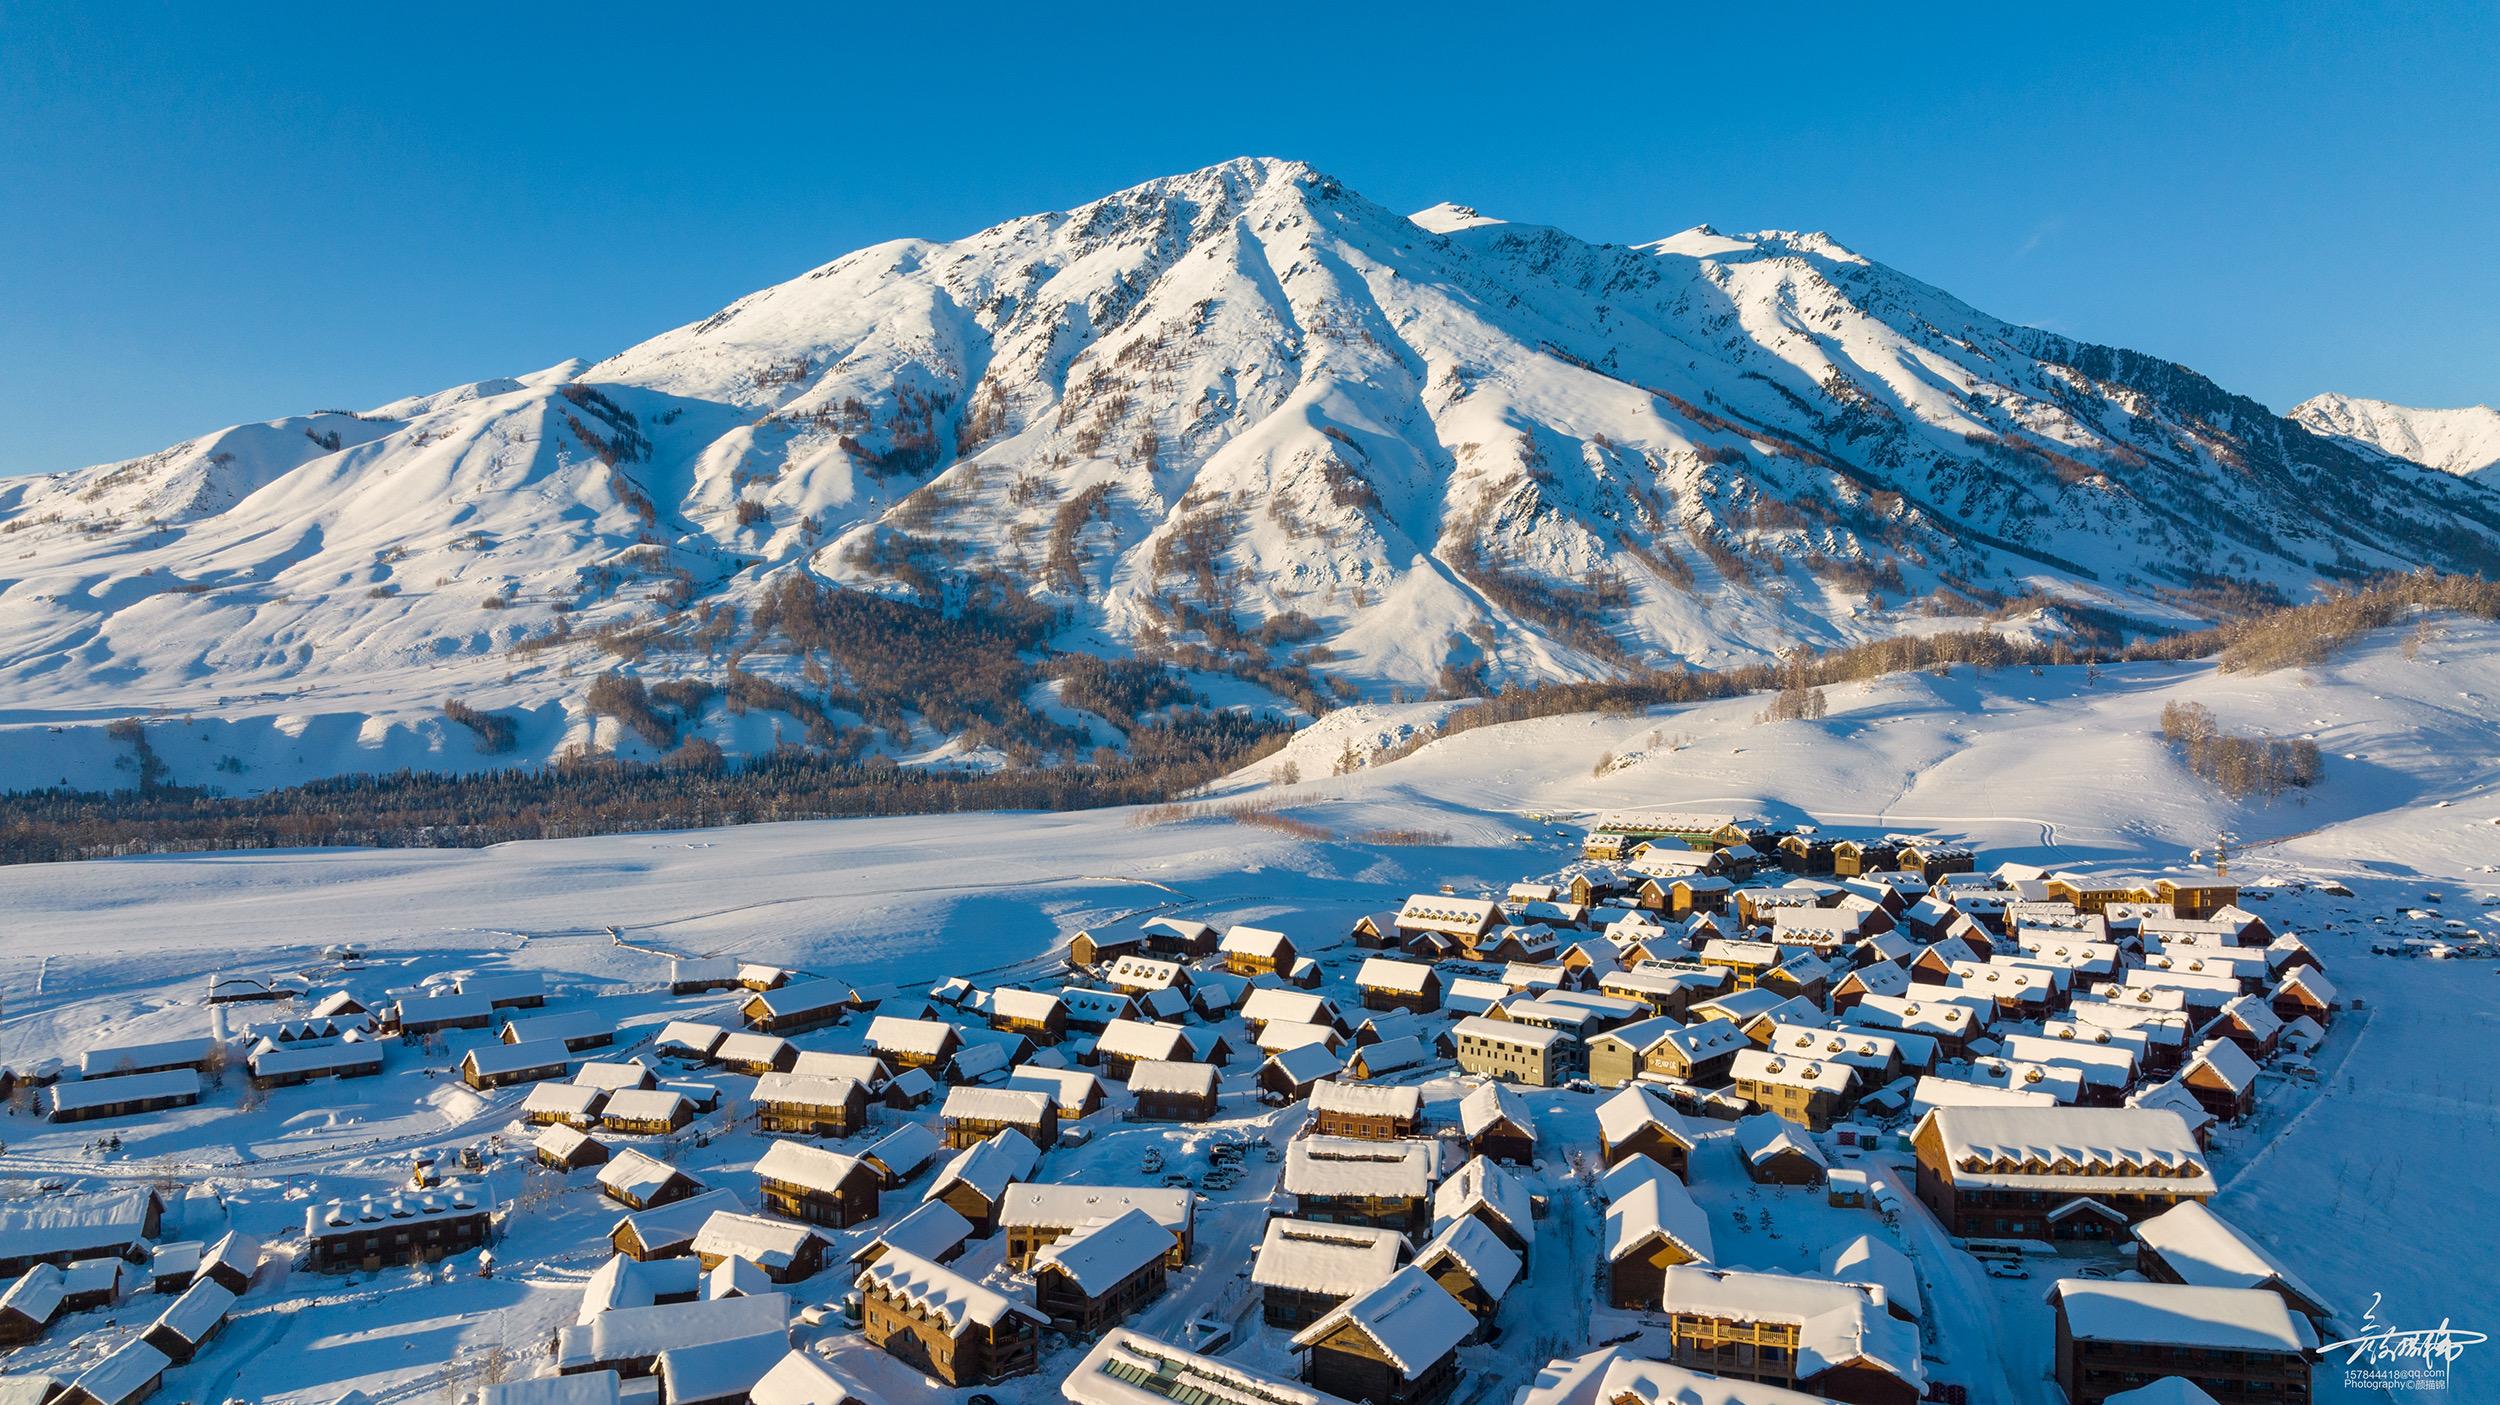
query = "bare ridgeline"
x=1388 y=1161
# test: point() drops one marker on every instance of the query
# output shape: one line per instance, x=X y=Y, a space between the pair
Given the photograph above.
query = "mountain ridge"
x=1241 y=423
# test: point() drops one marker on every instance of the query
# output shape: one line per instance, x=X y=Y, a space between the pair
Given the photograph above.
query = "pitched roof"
x=809 y=1167
x=1413 y=1320
x=954 y=1300
x=1473 y=1245
x=1657 y=1205
x=1307 y=1256
x=2173 y=1314
x=1622 y=1116
x=1098 y=1255
x=1334 y=1166
x=1404 y=1102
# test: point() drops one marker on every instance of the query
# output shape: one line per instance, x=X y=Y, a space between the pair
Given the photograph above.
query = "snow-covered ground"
x=2367 y=1181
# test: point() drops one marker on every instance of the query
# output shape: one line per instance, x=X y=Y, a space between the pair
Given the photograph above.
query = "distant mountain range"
x=2465 y=442
x=1242 y=423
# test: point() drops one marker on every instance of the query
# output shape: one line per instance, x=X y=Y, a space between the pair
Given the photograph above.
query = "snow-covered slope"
x=2465 y=441
x=1242 y=419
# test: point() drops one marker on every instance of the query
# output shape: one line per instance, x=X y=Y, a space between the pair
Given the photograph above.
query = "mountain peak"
x=2464 y=441
x=1448 y=217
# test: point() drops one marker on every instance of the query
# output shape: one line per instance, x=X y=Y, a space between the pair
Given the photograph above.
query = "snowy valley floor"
x=2368 y=1182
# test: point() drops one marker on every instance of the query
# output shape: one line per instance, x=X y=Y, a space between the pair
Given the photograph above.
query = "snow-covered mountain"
x=1241 y=419
x=2465 y=442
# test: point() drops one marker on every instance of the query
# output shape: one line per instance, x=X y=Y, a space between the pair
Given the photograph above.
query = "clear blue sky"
x=220 y=213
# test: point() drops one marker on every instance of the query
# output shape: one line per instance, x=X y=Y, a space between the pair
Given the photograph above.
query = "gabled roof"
x=1367 y=1099
x=810 y=1167
x=1100 y=1254
x=1623 y=1116
x=1306 y=1256
x=2172 y=1314
x=2207 y=1251
x=1657 y=1206
x=1413 y=1320
x=1491 y=1103
x=1483 y=1185
x=1472 y=1244
x=956 y=1302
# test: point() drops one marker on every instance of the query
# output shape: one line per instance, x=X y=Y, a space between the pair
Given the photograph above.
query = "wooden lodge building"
x=1390 y=984
x=1102 y=1274
x=1832 y=1340
x=974 y=1115
x=1256 y=951
x=1396 y=1344
x=370 y=1234
x=799 y=1006
x=1366 y=1111
x=1305 y=1270
x=1340 y=1180
x=2241 y=1346
x=937 y=1320
x=1497 y=1125
x=1035 y=1216
x=2055 y=1173
x=1635 y=1122
x=803 y=1105
x=1172 y=1090
x=816 y=1186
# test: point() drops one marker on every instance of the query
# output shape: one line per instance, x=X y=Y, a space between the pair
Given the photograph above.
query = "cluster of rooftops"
x=2057 y=1051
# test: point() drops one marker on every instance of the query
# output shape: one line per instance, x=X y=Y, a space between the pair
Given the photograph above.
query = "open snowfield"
x=2368 y=1182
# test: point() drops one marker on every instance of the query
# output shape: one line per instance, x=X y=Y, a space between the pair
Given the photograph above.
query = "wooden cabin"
x=640 y=1181
x=1994 y=1171
x=1652 y=1225
x=1366 y=1111
x=1389 y=984
x=2241 y=1346
x=974 y=1115
x=647 y=1111
x=944 y=1324
x=799 y=1006
x=1102 y=1274
x=1257 y=951
x=796 y=1103
x=1172 y=1090
x=1636 y=1122
x=1497 y=1125
x=1305 y=1270
x=1396 y=1344
x=816 y=1186
x=786 y=1252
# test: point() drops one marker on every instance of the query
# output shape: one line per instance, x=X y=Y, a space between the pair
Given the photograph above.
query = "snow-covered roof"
x=1611 y=1377
x=1867 y=1259
x=36 y=1294
x=1267 y=1003
x=1067 y=1087
x=645 y=1105
x=1279 y=1035
x=1473 y=1245
x=636 y=1174
x=1622 y=1116
x=867 y=1070
x=1787 y=1070
x=612 y=1075
x=1412 y=1319
x=692 y=1035
x=1253 y=941
x=724 y=1370
x=759 y=1239
x=672 y=1226
x=932 y=1231
x=1033 y=1205
x=269 y=1063
x=809 y=1166
x=1367 y=1099
x=1147 y=972
x=563 y=1100
x=1177 y=1076
x=125 y=1087
x=808 y=997
x=989 y=1167
x=2226 y=1061
x=928 y=1038
x=2018 y=1148
x=124 y=1374
x=905 y=1149
x=1099 y=1254
x=800 y=1379
x=1482 y=1184
x=1339 y=1260
x=1836 y=1322
x=631 y=1334
x=1129 y=1368
x=1656 y=1204
x=1934 y=1092
x=2174 y=1314
x=1337 y=1166
x=1490 y=1103
x=94 y=1223
x=107 y=1059
x=1512 y=1032
x=627 y=1282
x=1139 y=1039
x=1765 y=1135
x=1017 y=1105
x=956 y=1302
x=1304 y=1063
x=1012 y=1004
x=2207 y=1251
x=805 y=1090
x=492 y=1059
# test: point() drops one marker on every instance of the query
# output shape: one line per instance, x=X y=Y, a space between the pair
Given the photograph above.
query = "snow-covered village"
x=1335 y=705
